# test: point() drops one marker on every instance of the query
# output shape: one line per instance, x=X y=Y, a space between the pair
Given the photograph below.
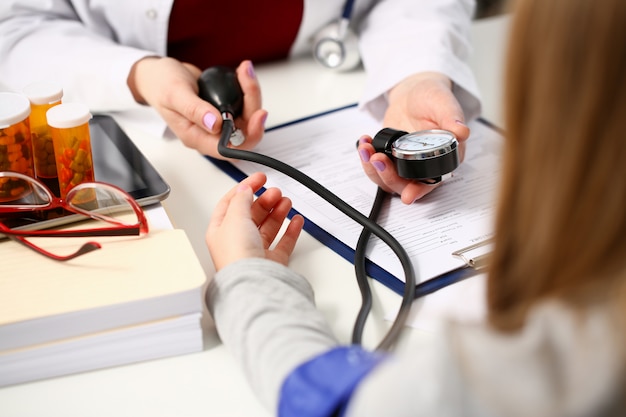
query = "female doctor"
x=112 y=55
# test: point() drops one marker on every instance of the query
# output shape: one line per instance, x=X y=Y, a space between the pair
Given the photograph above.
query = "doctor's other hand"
x=421 y=101
x=171 y=88
x=242 y=227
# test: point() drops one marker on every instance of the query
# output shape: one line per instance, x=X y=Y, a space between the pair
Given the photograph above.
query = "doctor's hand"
x=242 y=227
x=422 y=101
x=171 y=87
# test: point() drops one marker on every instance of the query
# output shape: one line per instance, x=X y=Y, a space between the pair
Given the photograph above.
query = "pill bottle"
x=15 y=143
x=69 y=125
x=42 y=96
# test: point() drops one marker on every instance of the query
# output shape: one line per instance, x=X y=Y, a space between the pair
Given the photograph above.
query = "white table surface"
x=210 y=383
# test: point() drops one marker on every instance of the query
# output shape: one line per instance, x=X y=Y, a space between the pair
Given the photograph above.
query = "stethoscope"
x=335 y=46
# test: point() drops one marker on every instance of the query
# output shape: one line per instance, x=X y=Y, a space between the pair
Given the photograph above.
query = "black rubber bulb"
x=219 y=86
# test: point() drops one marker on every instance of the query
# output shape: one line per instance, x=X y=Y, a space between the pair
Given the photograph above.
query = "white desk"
x=210 y=382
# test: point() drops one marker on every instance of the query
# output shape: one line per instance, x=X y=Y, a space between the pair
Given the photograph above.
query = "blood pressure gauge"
x=426 y=155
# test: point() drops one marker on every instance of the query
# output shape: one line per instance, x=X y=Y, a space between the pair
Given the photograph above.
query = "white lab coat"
x=90 y=45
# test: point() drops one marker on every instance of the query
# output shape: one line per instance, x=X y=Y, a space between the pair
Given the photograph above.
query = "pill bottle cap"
x=43 y=92
x=13 y=109
x=66 y=115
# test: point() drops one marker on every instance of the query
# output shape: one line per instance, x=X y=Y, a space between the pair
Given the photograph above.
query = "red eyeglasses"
x=119 y=212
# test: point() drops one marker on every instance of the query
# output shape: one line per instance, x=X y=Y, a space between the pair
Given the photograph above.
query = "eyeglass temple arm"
x=85 y=248
x=113 y=231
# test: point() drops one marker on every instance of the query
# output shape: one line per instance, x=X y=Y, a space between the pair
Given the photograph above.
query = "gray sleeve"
x=559 y=363
x=266 y=315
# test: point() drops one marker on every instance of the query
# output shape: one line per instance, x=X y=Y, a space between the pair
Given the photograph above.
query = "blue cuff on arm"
x=322 y=386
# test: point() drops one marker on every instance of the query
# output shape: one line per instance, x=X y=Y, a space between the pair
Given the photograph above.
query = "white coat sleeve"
x=79 y=44
x=398 y=38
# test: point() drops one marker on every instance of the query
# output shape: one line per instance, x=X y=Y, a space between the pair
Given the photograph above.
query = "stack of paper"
x=137 y=298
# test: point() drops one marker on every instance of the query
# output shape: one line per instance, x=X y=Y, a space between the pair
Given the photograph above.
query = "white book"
x=131 y=282
x=125 y=345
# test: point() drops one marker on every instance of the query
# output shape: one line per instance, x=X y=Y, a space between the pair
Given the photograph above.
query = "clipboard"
x=463 y=268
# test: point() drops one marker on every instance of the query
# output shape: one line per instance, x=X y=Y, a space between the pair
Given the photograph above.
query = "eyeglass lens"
x=19 y=191
x=96 y=200
x=101 y=202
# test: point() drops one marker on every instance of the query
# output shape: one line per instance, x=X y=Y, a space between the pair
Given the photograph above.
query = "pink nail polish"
x=209 y=120
x=365 y=156
x=380 y=166
x=251 y=72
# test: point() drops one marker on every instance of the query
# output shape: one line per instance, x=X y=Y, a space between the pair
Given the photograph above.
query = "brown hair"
x=561 y=218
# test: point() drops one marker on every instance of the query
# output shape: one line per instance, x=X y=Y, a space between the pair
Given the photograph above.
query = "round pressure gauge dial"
x=426 y=155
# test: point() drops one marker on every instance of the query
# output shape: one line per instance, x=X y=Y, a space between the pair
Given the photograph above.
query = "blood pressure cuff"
x=322 y=386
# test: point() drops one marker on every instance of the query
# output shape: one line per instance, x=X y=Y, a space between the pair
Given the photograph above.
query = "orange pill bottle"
x=15 y=143
x=42 y=96
x=69 y=125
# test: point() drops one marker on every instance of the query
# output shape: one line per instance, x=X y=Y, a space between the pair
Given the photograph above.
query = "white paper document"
x=457 y=214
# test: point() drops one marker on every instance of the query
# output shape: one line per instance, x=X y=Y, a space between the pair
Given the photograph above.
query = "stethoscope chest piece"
x=336 y=47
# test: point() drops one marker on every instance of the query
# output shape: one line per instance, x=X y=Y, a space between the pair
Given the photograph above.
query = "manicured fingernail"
x=251 y=72
x=263 y=120
x=380 y=166
x=363 y=140
x=365 y=155
x=460 y=122
x=209 y=120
